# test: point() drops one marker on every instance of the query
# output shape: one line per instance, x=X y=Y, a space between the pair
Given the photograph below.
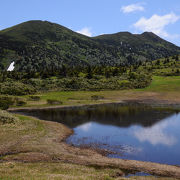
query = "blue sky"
x=95 y=17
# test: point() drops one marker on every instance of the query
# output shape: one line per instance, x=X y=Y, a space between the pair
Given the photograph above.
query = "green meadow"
x=166 y=88
x=164 y=84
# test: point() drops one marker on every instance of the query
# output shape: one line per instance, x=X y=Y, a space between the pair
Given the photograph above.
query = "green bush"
x=96 y=97
x=5 y=102
x=54 y=102
x=20 y=102
x=125 y=84
x=16 y=88
x=34 y=98
x=73 y=83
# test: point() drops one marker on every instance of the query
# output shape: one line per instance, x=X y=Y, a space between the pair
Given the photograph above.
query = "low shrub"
x=124 y=84
x=5 y=102
x=16 y=88
x=6 y=118
x=54 y=102
x=34 y=98
x=96 y=97
x=21 y=103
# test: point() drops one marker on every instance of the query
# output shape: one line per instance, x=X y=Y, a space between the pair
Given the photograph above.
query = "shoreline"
x=148 y=102
x=91 y=157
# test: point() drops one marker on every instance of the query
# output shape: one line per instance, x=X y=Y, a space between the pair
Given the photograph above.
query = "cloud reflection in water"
x=157 y=134
x=85 y=127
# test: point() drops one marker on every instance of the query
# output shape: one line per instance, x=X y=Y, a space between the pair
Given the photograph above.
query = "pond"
x=126 y=131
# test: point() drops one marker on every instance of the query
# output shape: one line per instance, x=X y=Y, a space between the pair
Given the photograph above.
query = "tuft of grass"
x=54 y=102
x=96 y=97
x=34 y=98
x=6 y=118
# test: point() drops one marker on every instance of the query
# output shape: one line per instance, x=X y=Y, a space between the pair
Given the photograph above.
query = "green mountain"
x=40 y=45
x=145 y=46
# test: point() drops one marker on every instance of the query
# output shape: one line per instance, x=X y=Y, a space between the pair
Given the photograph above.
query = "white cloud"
x=157 y=24
x=85 y=31
x=132 y=8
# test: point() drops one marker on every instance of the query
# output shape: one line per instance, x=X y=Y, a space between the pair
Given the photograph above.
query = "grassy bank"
x=28 y=139
x=34 y=149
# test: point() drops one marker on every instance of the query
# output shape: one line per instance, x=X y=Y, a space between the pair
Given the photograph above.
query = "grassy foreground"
x=61 y=171
x=29 y=139
x=34 y=149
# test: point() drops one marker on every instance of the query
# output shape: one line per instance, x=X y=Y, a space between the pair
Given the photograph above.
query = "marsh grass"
x=61 y=171
x=53 y=171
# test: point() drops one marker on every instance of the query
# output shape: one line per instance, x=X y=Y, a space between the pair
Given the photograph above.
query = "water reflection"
x=157 y=134
x=130 y=132
x=86 y=127
x=110 y=114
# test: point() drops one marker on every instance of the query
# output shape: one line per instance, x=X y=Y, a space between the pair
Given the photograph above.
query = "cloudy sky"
x=95 y=17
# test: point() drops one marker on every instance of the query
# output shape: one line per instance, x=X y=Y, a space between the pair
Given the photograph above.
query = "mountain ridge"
x=36 y=44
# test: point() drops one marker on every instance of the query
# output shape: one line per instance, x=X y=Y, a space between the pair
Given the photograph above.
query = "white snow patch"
x=11 y=67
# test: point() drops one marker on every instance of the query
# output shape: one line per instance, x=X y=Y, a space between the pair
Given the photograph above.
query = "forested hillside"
x=37 y=46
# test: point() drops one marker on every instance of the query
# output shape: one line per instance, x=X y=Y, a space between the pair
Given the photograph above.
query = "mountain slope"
x=39 y=45
x=139 y=46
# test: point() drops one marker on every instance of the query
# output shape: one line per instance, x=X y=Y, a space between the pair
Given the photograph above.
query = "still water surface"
x=130 y=132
